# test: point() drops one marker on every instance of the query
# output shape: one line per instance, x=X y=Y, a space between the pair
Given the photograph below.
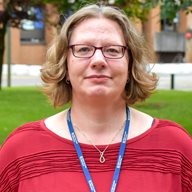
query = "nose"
x=98 y=61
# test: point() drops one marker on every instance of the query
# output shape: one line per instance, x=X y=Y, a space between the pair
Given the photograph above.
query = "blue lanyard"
x=82 y=160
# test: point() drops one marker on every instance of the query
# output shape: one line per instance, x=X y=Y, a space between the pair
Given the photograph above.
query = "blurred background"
x=27 y=27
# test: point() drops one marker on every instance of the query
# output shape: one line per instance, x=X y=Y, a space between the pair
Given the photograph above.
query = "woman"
x=98 y=63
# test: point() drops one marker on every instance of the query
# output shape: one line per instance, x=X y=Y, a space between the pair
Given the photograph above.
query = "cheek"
x=125 y=67
x=76 y=68
x=70 y=64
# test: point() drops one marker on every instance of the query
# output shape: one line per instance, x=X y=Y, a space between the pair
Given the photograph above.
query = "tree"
x=13 y=12
x=133 y=8
x=170 y=8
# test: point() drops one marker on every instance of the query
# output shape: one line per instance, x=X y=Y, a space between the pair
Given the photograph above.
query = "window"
x=167 y=25
x=32 y=31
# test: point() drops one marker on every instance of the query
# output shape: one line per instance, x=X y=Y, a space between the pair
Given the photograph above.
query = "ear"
x=67 y=77
x=67 y=80
x=66 y=72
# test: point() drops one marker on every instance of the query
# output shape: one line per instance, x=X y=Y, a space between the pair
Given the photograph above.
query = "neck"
x=98 y=120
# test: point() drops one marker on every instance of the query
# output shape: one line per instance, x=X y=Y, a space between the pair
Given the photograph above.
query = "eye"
x=112 y=50
x=83 y=49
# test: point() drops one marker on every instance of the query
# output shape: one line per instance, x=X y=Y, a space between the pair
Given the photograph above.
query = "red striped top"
x=34 y=159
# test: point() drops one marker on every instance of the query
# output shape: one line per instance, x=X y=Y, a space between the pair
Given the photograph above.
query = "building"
x=29 y=44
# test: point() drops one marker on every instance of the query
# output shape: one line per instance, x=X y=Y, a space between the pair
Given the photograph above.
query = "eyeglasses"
x=87 y=51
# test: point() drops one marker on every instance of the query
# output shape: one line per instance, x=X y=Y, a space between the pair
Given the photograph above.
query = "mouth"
x=98 y=79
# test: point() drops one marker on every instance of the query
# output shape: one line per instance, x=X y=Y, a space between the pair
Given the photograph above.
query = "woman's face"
x=97 y=76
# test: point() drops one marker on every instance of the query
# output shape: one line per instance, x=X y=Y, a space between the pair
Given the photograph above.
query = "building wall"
x=152 y=25
x=31 y=53
x=35 y=53
x=189 y=42
x=27 y=53
x=24 y=53
x=182 y=22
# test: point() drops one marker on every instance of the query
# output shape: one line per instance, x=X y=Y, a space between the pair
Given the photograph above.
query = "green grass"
x=19 y=105
x=172 y=105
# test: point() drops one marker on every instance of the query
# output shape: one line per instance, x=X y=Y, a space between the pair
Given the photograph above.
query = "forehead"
x=97 y=29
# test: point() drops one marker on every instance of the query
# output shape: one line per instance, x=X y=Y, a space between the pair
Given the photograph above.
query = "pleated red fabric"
x=34 y=159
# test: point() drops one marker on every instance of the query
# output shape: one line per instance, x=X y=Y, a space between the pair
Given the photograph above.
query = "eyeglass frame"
x=100 y=48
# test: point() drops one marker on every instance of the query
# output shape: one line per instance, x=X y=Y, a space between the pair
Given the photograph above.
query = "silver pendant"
x=102 y=158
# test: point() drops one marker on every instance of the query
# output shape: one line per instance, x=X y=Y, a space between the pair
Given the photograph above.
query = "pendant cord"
x=102 y=158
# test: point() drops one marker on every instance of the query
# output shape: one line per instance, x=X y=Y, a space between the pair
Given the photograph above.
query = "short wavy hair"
x=141 y=83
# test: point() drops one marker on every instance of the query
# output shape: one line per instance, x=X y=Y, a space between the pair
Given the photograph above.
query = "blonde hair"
x=141 y=83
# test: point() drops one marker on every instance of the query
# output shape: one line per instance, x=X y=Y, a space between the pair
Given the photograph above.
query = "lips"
x=98 y=77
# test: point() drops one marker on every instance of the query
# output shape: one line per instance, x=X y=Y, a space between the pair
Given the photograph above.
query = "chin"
x=99 y=91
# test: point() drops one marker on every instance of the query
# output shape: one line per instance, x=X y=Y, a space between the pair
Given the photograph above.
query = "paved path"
x=28 y=75
x=182 y=82
x=22 y=80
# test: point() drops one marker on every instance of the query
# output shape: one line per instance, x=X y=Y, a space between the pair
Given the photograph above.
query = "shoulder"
x=166 y=147
x=24 y=130
x=177 y=143
x=171 y=135
x=18 y=144
x=170 y=127
x=22 y=140
x=28 y=145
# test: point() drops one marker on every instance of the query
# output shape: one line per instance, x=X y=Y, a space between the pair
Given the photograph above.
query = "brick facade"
x=35 y=53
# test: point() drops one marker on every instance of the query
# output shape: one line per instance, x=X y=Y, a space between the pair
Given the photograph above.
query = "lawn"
x=19 y=105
